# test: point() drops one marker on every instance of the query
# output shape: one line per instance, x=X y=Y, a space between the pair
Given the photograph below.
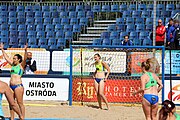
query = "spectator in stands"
x=170 y=33
x=5 y=89
x=168 y=111
x=30 y=66
x=150 y=87
x=100 y=79
x=126 y=41
x=160 y=33
x=177 y=34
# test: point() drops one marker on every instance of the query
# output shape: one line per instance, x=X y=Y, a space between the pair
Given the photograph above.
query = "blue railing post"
x=71 y=75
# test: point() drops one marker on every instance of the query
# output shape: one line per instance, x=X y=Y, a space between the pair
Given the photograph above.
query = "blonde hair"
x=154 y=65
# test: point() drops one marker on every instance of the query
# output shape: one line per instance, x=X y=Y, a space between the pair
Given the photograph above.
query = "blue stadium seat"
x=143 y=35
x=136 y=42
x=43 y=46
x=22 y=34
x=4 y=27
x=111 y=28
x=4 y=14
x=67 y=28
x=13 y=41
x=165 y=14
x=61 y=8
x=45 y=8
x=29 y=14
x=32 y=41
x=5 y=40
x=38 y=21
x=114 y=35
x=46 y=14
x=13 y=34
x=97 y=42
x=51 y=41
x=120 y=21
x=106 y=41
x=121 y=27
x=141 y=7
x=64 y=21
x=149 y=27
x=96 y=8
x=22 y=41
x=170 y=7
x=59 y=34
x=47 y=21
x=49 y=27
x=54 y=14
x=76 y=28
x=12 y=14
x=53 y=47
x=73 y=21
x=147 y=42
x=40 y=34
x=21 y=20
x=63 y=14
x=130 y=28
x=90 y=14
x=4 y=34
x=38 y=14
x=133 y=35
x=177 y=6
x=81 y=14
x=129 y=20
x=34 y=46
x=123 y=7
x=83 y=22
x=12 y=27
x=71 y=8
x=149 y=21
x=87 y=8
x=3 y=8
x=3 y=20
x=20 y=8
x=28 y=8
x=12 y=21
x=149 y=7
x=105 y=35
x=21 y=27
x=31 y=34
x=61 y=43
x=69 y=35
x=58 y=27
x=56 y=21
x=116 y=42
x=36 y=8
x=40 y=27
x=114 y=8
x=132 y=7
x=174 y=12
x=79 y=8
x=29 y=20
x=136 y=14
x=72 y=14
x=20 y=14
x=140 y=27
x=50 y=34
x=145 y=14
x=42 y=41
x=139 y=20
x=126 y=14
x=122 y=34
x=160 y=7
x=105 y=8
x=53 y=8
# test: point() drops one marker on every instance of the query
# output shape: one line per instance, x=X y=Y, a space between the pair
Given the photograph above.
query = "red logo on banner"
x=114 y=90
x=175 y=93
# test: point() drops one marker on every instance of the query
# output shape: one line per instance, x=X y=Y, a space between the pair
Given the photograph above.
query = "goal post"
x=125 y=66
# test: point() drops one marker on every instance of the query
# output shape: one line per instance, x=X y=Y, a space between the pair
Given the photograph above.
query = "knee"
x=101 y=94
x=20 y=103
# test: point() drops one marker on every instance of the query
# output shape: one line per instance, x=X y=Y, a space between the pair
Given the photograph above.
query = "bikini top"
x=99 y=67
x=177 y=116
x=152 y=82
x=16 y=70
x=1 y=111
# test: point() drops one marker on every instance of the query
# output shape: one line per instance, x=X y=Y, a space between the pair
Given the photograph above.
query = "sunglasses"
x=159 y=22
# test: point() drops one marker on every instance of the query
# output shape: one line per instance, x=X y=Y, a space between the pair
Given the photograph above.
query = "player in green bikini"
x=168 y=111
x=16 y=72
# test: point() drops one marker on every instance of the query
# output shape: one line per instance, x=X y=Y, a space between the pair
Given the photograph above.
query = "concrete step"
x=96 y=30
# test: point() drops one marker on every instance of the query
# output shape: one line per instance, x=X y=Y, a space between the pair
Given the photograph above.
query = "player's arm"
x=5 y=55
x=143 y=82
x=107 y=68
x=25 y=56
x=160 y=85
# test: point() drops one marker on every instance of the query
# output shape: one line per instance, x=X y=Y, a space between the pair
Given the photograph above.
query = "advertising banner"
x=114 y=90
x=44 y=88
